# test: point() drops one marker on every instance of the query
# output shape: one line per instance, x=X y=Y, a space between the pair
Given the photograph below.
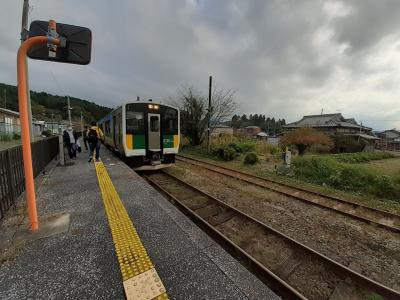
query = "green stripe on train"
x=168 y=141
x=139 y=142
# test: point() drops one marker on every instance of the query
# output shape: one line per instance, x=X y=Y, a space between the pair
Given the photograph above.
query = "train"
x=146 y=134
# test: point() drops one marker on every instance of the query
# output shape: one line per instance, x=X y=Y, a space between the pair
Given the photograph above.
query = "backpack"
x=92 y=135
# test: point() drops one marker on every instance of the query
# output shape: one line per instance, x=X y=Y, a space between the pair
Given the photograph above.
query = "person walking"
x=95 y=136
x=70 y=137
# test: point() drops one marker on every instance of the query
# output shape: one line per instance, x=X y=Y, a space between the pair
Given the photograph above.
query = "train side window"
x=154 y=124
x=134 y=121
x=107 y=127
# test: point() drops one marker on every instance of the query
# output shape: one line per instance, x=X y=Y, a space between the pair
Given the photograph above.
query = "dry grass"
x=9 y=144
x=388 y=167
x=266 y=169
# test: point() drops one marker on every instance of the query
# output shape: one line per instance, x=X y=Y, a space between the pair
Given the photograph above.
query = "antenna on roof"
x=137 y=98
x=322 y=111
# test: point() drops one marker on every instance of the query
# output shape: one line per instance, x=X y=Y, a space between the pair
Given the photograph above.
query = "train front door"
x=154 y=135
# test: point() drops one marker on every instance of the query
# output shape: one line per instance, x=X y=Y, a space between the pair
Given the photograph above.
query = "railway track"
x=361 y=212
x=292 y=269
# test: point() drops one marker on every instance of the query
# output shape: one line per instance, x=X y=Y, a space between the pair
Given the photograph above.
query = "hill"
x=49 y=107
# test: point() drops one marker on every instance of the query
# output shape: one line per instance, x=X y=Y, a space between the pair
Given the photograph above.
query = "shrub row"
x=243 y=147
x=6 y=137
x=361 y=157
x=347 y=177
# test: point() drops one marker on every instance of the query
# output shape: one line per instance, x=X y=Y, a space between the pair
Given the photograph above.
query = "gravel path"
x=368 y=250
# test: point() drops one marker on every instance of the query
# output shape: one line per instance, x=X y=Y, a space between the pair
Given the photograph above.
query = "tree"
x=303 y=138
x=193 y=107
x=193 y=115
x=223 y=106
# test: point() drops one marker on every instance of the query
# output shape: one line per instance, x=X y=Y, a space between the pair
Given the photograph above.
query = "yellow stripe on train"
x=176 y=141
x=129 y=141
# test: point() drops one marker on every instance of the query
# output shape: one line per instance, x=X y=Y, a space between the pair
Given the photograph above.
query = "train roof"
x=136 y=102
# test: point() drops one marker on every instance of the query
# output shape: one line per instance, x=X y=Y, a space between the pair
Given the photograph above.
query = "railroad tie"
x=140 y=279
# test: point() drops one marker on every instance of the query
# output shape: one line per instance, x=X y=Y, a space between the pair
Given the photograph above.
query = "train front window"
x=134 y=121
x=171 y=121
x=154 y=124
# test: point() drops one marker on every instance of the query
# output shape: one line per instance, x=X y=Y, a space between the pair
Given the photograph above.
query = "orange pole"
x=25 y=136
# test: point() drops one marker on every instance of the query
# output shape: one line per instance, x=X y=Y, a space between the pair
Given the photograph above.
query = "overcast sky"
x=285 y=58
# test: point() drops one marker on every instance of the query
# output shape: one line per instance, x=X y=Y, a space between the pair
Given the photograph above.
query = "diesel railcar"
x=145 y=133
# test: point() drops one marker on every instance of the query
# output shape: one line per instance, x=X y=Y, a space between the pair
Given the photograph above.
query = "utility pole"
x=69 y=112
x=82 y=124
x=24 y=36
x=209 y=115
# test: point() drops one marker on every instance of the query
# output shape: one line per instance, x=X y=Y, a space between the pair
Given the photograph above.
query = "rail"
x=293 y=269
x=12 y=177
x=358 y=211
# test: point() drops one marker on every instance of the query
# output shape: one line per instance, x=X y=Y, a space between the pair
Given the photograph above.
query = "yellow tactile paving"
x=141 y=280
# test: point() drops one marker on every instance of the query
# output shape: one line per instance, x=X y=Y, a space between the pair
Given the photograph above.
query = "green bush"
x=5 y=137
x=247 y=146
x=251 y=158
x=235 y=146
x=361 y=157
x=16 y=136
x=46 y=133
x=347 y=177
x=224 y=152
x=228 y=153
x=275 y=150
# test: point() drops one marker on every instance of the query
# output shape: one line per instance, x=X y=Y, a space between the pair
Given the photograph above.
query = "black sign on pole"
x=78 y=45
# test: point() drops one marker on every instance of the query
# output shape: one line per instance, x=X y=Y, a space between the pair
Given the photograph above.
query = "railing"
x=12 y=183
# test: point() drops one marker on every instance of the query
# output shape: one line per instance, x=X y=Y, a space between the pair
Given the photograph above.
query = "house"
x=37 y=127
x=336 y=124
x=330 y=124
x=56 y=127
x=250 y=131
x=274 y=140
x=221 y=129
x=389 y=140
x=262 y=136
x=9 y=121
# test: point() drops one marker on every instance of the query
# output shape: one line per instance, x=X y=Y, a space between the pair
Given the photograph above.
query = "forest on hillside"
x=50 y=107
x=267 y=124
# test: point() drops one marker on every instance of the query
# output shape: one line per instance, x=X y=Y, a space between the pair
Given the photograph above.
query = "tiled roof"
x=10 y=112
x=326 y=120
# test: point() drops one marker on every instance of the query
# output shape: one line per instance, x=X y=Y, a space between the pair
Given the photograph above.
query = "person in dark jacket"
x=95 y=136
x=70 y=137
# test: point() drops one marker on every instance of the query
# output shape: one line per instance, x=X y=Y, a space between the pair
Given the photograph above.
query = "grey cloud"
x=266 y=50
x=369 y=22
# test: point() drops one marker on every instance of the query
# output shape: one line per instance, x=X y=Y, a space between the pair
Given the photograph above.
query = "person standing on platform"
x=95 y=136
x=70 y=138
x=85 y=138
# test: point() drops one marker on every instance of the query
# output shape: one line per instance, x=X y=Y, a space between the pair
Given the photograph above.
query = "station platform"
x=80 y=257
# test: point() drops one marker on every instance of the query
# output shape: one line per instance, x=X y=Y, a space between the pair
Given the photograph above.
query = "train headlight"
x=155 y=106
x=151 y=106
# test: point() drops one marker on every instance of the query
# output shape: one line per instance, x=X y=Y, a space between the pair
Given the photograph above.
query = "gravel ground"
x=371 y=251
